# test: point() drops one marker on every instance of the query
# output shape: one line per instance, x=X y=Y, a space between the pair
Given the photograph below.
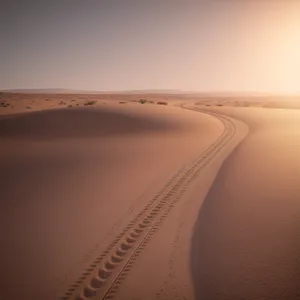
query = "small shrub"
x=219 y=104
x=122 y=102
x=28 y=107
x=90 y=103
x=143 y=101
x=162 y=103
x=70 y=105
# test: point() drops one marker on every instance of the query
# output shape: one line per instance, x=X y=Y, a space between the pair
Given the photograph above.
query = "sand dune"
x=71 y=180
x=246 y=239
x=149 y=202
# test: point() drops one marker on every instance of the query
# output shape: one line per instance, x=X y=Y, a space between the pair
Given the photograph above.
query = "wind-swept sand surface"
x=72 y=179
x=246 y=241
x=150 y=202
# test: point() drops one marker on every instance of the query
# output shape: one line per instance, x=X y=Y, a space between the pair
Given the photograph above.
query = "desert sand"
x=115 y=199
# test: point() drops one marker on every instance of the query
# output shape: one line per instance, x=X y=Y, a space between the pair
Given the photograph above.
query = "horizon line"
x=141 y=91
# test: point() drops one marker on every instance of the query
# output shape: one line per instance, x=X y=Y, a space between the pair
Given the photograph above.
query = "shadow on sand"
x=241 y=247
x=78 y=123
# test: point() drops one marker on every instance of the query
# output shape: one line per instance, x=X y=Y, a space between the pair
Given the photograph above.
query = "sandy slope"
x=71 y=179
x=246 y=241
x=241 y=240
x=163 y=270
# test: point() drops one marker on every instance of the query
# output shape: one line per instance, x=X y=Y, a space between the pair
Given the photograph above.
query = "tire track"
x=105 y=275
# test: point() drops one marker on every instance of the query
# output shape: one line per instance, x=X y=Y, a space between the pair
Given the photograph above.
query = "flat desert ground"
x=105 y=197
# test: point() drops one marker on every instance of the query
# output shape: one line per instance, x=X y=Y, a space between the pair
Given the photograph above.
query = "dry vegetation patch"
x=90 y=103
x=162 y=103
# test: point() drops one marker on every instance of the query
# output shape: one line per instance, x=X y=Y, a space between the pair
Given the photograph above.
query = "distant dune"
x=147 y=91
x=47 y=91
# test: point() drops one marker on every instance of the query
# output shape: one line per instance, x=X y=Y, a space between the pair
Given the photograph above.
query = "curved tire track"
x=104 y=277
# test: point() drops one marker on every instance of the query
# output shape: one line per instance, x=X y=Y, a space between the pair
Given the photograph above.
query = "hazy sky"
x=251 y=45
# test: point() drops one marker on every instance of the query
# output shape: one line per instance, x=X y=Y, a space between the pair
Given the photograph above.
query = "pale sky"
x=205 y=45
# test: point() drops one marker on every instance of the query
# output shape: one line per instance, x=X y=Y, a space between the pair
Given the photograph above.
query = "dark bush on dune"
x=143 y=101
x=4 y=104
x=90 y=103
x=162 y=103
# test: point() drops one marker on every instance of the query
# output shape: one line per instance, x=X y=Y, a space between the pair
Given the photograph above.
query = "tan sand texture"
x=73 y=179
x=246 y=239
x=136 y=201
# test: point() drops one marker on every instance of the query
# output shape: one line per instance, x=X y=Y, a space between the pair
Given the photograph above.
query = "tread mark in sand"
x=107 y=272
